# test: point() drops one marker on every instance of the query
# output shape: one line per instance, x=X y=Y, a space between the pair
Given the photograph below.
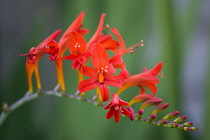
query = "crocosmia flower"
x=33 y=57
x=77 y=48
x=52 y=48
x=116 y=107
x=101 y=75
x=56 y=54
x=145 y=79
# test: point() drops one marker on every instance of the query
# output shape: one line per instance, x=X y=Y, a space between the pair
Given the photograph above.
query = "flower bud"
x=180 y=119
x=188 y=124
x=132 y=114
x=150 y=102
x=171 y=115
x=160 y=108
x=162 y=122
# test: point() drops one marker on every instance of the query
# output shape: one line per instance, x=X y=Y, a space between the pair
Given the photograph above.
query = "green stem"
x=29 y=97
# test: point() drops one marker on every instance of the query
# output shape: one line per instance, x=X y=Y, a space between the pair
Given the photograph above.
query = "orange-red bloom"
x=116 y=106
x=77 y=47
x=145 y=79
x=33 y=57
x=101 y=75
x=57 y=50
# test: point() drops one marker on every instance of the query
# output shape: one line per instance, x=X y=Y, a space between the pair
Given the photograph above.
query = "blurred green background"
x=176 y=32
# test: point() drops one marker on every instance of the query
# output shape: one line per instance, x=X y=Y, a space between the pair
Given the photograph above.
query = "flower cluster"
x=102 y=71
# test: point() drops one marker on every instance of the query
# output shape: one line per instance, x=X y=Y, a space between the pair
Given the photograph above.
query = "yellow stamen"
x=101 y=77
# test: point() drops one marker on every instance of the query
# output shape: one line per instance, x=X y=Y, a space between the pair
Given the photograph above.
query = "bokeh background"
x=176 y=32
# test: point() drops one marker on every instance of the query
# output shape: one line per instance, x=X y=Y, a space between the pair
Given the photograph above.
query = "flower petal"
x=87 y=85
x=89 y=72
x=76 y=43
x=117 y=115
x=110 y=113
x=104 y=90
x=99 y=56
x=114 y=80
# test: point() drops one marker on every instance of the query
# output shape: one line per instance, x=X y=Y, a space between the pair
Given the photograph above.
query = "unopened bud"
x=160 y=108
x=171 y=115
x=132 y=114
x=186 y=128
x=194 y=129
x=150 y=102
x=151 y=118
x=180 y=119
x=141 y=112
x=188 y=124
x=162 y=122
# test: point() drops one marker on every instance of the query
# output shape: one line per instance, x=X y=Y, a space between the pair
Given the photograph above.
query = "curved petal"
x=97 y=32
x=99 y=56
x=87 y=85
x=76 y=43
x=117 y=115
x=110 y=113
x=114 y=80
x=69 y=57
x=104 y=90
x=89 y=72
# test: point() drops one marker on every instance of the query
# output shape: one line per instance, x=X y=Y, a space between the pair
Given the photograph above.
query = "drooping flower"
x=116 y=107
x=63 y=45
x=101 y=75
x=33 y=57
x=145 y=79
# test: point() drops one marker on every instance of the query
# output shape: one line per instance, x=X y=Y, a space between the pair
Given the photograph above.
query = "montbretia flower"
x=57 y=50
x=145 y=79
x=116 y=60
x=116 y=107
x=33 y=57
x=101 y=75
x=52 y=48
x=77 y=47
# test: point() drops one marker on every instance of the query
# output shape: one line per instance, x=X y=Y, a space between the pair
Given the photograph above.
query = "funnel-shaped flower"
x=77 y=48
x=101 y=75
x=116 y=106
x=145 y=79
x=33 y=57
x=116 y=60
x=63 y=44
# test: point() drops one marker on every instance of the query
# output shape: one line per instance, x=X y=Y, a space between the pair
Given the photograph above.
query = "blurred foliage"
x=169 y=30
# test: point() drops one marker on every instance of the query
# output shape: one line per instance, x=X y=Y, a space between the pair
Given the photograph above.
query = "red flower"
x=33 y=57
x=52 y=48
x=101 y=75
x=145 y=79
x=77 y=47
x=62 y=44
x=116 y=106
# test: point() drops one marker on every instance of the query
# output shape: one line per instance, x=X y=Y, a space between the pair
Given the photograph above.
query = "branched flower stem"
x=31 y=96
x=6 y=110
